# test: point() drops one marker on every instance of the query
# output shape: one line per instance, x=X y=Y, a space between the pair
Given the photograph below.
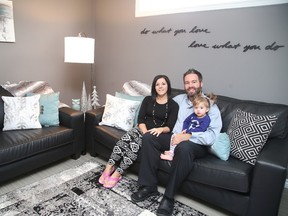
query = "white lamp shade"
x=79 y=50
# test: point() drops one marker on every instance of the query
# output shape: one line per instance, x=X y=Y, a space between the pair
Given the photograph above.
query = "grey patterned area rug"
x=77 y=192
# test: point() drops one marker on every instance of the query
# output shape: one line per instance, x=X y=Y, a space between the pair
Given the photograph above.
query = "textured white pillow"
x=119 y=112
x=21 y=112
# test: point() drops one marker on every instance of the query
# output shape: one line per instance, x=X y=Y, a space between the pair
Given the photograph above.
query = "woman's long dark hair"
x=153 y=90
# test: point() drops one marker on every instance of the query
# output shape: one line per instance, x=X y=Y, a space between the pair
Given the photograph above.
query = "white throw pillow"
x=21 y=112
x=119 y=112
x=133 y=98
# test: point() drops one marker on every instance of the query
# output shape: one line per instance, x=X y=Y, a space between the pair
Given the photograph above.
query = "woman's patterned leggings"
x=125 y=152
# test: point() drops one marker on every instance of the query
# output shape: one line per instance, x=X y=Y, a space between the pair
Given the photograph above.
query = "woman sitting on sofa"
x=157 y=116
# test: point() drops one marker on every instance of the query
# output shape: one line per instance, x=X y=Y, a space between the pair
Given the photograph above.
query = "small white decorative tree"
x=84 y=99
x=89 y=106
x=95 y=99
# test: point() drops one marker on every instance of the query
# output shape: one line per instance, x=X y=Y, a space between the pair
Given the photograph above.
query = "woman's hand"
x=156 y=131
x=143 y=128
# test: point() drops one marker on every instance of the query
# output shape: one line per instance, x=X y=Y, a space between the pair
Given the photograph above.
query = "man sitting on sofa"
x=189 y=147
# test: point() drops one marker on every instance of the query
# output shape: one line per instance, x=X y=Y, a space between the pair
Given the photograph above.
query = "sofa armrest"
x=75 y=120
x=92 y=119
x=94 y=116
x=68 y=117
x=269 y=178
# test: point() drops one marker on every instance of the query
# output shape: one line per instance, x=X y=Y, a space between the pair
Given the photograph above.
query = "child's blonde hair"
x=205 y=100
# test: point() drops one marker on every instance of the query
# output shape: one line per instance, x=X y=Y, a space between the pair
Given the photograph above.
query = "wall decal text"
x=273 y=46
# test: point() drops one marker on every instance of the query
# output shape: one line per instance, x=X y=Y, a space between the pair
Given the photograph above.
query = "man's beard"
x=191 y=95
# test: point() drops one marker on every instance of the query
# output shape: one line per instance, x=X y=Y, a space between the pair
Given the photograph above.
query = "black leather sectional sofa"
x=24 y=150
x=233 y=185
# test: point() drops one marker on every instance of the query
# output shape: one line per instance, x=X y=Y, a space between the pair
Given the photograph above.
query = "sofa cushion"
x=229 y=105
x=20 y=144
x=24 y=87
x=21 y=112
x=49 y=112
x=133 y=98
x=175 y=92
x=119 y=113
x=248 y=133
x=232 y=174
x=3 y=92
x=209 y=170
x=108 y=135
x=221 y=148
x=136 y=88
x=49 y=109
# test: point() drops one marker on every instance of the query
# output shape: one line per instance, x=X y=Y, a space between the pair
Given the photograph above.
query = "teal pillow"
x=132 y=98
x=49 y=112
x=221 y=148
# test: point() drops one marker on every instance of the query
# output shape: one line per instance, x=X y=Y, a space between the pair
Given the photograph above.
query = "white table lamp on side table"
x=80 y=50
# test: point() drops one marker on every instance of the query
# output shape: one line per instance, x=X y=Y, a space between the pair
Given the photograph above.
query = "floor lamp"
x=80 y=50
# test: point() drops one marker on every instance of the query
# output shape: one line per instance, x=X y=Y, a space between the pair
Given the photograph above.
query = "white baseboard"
x=286 y=184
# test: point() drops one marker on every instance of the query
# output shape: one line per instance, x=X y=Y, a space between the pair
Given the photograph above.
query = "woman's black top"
x=153 y=114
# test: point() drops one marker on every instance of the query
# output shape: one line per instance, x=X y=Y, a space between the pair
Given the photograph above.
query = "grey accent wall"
x=123 y=54
x=38 y=53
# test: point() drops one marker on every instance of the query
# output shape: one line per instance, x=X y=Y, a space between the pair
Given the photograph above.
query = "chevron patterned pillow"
x=248 y=133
